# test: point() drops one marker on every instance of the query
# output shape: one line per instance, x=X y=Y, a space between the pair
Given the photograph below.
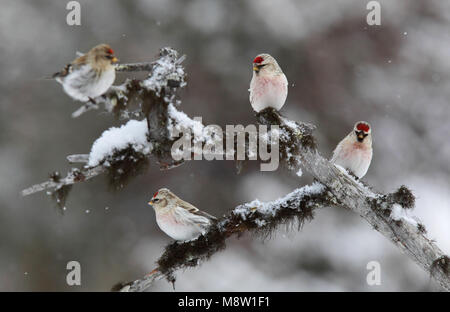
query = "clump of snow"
x=299 y=173
x=344 y=171
x=181 y=122
x=133 y=133
x=166 y=68
x=398 y=214
x=244 y=210
x=260 y=223
x=270 y=208
x=290 y=123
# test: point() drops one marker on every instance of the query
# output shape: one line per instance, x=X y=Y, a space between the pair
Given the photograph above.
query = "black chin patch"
x=360 y=135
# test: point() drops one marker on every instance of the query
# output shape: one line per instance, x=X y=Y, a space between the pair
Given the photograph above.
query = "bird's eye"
x=110 y=57
x=156 y=200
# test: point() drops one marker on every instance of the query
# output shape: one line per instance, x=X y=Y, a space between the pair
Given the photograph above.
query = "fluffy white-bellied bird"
x=89 y=75
x=269 y=86
x=177 y=218
x=354 y=152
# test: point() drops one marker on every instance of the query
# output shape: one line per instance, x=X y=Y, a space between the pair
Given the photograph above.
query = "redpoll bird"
x=269 y=86
x=90 y=75
x=177 y=218
x=354 y=152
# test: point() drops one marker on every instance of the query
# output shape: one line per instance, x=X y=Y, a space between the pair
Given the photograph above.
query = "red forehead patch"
x=156 y=194
x=363 y=127
x=258 y=60
x=110 y=51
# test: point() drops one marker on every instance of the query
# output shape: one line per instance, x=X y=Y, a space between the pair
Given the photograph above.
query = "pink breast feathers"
x=269 y=87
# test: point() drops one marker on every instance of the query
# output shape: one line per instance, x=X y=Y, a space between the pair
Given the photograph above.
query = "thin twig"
x=134 y=67
x=74 y=176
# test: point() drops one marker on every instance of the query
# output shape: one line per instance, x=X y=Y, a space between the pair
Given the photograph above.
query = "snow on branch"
x=125 y=151
x=257 y=217
x=386 y=213
x=379 y=210
x=61 y=186
x=131 y=135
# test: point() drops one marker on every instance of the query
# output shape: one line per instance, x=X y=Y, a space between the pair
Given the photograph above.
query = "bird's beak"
x=257 y=67
x=360 y=137
x=114 y=60
x=150 y=203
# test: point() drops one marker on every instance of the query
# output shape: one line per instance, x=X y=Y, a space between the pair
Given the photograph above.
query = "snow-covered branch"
x=56 y=182
x=258 y=217
x=388 y=214
x=125 y=151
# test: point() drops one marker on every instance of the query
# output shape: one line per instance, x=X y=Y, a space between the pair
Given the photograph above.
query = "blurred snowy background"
x=340 y=70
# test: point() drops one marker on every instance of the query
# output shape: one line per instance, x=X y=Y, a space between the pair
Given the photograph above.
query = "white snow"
x=290 y=123
x=343 y=170
x=299 y=172
x=133 y=133
x=165 y=69
x=270 y=208
x=183 y=123
x=398 y=214
x=260 y=223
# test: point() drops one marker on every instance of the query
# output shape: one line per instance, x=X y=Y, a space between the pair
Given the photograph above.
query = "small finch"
x=177 y=218
x=269 y=86
x=89 y=75
x=354 y=152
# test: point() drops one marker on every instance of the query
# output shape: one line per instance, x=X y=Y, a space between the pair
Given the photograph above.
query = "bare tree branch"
x=74 y=176
x=134 y=67
x=78 y=158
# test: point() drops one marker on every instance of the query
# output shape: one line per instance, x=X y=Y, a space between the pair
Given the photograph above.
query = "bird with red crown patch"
x=89 y=75
x=269 y=86
x=177 y=218
x=354 y=152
